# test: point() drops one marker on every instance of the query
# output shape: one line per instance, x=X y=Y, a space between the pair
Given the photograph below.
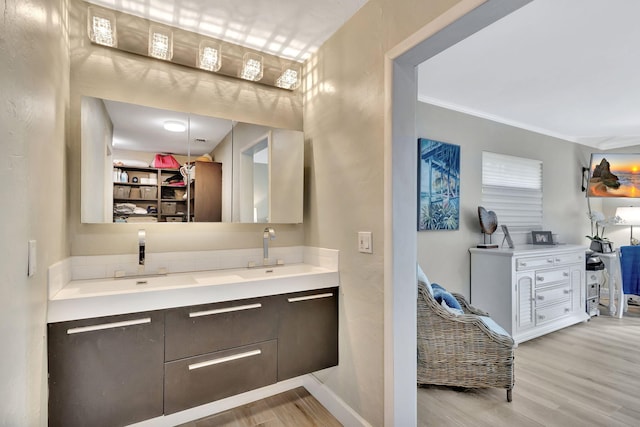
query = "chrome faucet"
x=141 y=244
x=269 y=234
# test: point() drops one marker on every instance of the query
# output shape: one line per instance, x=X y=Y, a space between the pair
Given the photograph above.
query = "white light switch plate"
x=364 y=242
x=32 y=258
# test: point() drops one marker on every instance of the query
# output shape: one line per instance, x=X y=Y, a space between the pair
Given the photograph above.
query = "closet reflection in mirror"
x=143 y=164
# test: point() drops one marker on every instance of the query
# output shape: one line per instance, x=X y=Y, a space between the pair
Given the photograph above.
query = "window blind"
x=512 y=188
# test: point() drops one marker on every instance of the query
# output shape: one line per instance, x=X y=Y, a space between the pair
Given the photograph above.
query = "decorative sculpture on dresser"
x=488 y=225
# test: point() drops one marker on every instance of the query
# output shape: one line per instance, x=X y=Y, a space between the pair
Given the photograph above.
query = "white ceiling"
x=291 y=29
x=564 y=68
x=140 y=128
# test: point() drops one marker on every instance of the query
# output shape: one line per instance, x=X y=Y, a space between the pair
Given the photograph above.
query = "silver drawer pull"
x=225 y=310
x=108 y=326
x=317 y=296
x=565 y=274
x=558 y=260
x=541 y=297
x=550 y=260
x=568 y=291
x=566 y=310
x=224 y=359
x=540 y=278
x=541 y=317
x=524 y=264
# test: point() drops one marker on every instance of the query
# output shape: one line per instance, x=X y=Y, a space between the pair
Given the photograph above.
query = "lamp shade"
x=630 y=215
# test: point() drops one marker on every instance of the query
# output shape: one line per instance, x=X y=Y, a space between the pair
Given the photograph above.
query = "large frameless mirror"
x=143 y=164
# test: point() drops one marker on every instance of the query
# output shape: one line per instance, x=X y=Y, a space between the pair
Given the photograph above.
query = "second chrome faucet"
x=269 y=234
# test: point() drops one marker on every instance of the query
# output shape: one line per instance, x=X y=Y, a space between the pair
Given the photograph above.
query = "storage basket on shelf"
x=121 y=191
x=168 y=208
x=148 y=192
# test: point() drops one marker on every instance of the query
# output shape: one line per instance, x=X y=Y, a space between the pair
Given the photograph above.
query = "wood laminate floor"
x=294 y=408
x=584 y=375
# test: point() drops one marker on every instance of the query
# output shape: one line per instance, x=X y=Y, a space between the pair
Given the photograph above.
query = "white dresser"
x=530 y=290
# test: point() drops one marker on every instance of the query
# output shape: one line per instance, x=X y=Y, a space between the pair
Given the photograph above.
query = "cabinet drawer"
x=552 y=295
x=569 y=258
x=553 y=312
x=593 y=278
x=190 y=331
x=544 y=278
x=592 y=290
x=203 y=379
x=534 y=262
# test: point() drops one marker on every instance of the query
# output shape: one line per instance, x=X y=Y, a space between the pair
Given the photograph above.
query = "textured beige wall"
x=444 y=254
x=34 y=96
x=112 y=74
x=344 y=161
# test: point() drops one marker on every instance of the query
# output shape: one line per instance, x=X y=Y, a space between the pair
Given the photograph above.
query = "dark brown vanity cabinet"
x=118 y=370
x=308 y=332
x=106 y=371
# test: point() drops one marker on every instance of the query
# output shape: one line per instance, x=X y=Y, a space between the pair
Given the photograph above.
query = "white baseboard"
x=338 y=408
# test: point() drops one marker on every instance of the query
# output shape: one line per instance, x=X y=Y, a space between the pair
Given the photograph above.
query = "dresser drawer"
x=547 y=277
x=592 y=290
x=534 y=262
x=552 y=295
x=190 y=331
x=593 y=278
x=553 y=312
x=569 y=258
x=203 y=379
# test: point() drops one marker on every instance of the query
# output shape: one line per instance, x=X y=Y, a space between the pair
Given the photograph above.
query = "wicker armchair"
x=460 y=350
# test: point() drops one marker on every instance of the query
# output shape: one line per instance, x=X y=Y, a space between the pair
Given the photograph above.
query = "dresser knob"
x=550 y=260
x=540 y=278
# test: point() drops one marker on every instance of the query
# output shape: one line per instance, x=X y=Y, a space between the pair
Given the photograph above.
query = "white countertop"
x=81 y=299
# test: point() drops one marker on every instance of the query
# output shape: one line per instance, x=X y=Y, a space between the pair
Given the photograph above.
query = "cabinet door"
x=106 y=371
x=525 y=294
x=208 y=192
x=308 y=332
x=577 y=278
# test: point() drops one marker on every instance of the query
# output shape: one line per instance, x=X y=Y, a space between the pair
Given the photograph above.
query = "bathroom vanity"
x=249 y=328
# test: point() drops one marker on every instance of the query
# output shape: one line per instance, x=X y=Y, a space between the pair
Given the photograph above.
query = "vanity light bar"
x=101 y=29
x=160 y=43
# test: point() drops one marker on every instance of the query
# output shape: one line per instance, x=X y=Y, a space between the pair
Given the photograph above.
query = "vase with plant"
x=598 y=224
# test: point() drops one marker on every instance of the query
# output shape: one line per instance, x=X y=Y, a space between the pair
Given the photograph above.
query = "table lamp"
x=629 y=215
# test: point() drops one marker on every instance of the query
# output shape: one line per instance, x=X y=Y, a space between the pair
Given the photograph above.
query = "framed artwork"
x=438 y=185
x=507 y=236
x=541 y=238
